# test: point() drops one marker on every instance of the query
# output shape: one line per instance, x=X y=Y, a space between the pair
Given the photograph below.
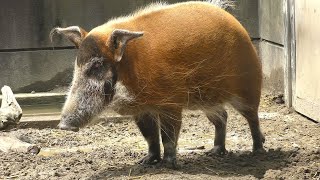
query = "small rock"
x=33 y=92
x=88 y=161
x=316 y=151
x=307 y=171
x=296 y=149
x=33 y=149
x=279 y=99
x=56 y=174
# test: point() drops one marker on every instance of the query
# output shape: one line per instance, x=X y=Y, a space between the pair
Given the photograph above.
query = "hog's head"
x=95 y=72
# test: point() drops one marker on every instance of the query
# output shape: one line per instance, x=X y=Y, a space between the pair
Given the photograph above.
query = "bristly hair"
x=159 y=5
x=223 y=4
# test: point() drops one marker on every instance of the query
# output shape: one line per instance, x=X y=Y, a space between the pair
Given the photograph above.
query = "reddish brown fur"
x=192 y=53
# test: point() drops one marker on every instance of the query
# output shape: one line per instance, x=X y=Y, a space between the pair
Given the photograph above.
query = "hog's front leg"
x=148 y=125
x=170 y=128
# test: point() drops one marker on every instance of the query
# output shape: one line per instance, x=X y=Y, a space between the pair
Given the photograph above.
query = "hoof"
x=170 y=163
x=150 y=160
x=259 y=151
x=218 y=151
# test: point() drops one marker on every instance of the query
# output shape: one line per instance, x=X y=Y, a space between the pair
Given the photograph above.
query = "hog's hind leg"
x=254 y=124
x=219 y=119
x=250 y=112
x=149 y=128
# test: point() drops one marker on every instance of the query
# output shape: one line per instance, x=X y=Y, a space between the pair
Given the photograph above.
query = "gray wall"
x=28 y=61
x=247 y=12
x=272 y=51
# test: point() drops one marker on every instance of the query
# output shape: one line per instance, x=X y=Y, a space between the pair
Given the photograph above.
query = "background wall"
x=272 y=33
x=28 y=61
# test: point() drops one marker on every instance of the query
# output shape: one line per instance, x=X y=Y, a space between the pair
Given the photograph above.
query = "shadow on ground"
x=234 y=164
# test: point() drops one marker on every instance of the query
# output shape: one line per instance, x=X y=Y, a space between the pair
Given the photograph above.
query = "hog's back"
x=191 y=54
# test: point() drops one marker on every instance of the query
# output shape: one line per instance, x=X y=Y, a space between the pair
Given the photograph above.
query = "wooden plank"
x=308 y=108
x=307 y=92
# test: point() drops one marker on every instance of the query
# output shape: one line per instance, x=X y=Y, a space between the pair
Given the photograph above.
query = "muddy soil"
x=111 y=149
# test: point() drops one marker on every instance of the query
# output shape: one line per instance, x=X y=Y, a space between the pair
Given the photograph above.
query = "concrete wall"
x=27 y=59
x=29 y=63
x=272 y=52
x=247 y=12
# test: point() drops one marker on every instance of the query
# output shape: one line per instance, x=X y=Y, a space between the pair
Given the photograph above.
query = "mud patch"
x=110 y=150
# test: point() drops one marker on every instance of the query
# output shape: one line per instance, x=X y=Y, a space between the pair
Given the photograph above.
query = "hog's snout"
x=69 y=123
x=67 y=127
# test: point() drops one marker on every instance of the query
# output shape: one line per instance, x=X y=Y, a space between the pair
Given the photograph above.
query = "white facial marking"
x=121 y=96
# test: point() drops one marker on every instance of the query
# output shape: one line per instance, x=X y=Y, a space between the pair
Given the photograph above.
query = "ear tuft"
x=74 y=33
x=119 y=39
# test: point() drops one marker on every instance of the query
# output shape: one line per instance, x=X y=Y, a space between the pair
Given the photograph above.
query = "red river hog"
x=160 y=60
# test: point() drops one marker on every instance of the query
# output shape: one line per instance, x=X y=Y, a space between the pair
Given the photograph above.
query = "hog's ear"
x=75 y=34
x=119 y=40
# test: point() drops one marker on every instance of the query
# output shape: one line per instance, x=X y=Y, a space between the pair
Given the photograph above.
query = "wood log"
x=10 y=110
x=13 y=144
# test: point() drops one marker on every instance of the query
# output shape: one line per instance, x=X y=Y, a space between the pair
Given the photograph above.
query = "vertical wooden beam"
x=293 y=49
x=290 y=53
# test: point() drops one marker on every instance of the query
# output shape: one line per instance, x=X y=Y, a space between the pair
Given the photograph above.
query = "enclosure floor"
x=111 y=149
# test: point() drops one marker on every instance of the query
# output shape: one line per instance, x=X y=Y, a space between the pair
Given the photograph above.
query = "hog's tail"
x=223 y=4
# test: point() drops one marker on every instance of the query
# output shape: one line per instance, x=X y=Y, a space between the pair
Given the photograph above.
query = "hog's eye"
x=95 y=67
x=97 y=64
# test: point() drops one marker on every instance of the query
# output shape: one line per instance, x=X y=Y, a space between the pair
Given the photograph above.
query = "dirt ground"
x=111 y=149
